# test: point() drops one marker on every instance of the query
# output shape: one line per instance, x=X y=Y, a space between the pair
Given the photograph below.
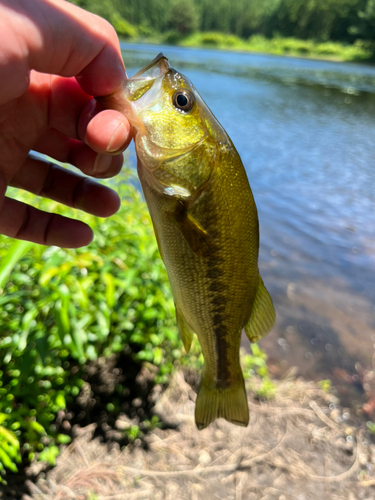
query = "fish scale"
x=206 y=224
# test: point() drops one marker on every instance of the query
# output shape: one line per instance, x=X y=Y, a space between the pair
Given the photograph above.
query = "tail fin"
x=229 y=403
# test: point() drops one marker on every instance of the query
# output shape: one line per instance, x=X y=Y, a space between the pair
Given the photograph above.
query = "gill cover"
x=173 y=129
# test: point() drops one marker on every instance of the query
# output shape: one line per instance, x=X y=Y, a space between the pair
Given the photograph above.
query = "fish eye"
x=183 y=100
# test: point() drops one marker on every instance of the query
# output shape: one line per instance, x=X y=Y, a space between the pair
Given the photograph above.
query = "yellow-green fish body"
x=206 y=224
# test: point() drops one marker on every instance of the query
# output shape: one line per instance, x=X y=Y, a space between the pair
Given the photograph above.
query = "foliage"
x=16 y=251
x=256 y=364
x=145 y=31
x=145 y=14
x=60 y=308
x=282 y=46
x=9 y=447
x=172 y=37
x=102 y=8
x=296 y=47
x=316 y=22
x=325 y=385
x=214 y=39
x=122 y=27
x=183 y=17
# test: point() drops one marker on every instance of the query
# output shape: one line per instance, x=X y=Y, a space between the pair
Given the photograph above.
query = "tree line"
x=321 y=20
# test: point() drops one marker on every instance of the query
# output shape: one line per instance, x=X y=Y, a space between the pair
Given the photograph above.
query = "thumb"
x=57 y=37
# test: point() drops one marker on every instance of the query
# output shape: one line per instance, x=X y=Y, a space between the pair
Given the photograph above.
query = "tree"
x=183 y=17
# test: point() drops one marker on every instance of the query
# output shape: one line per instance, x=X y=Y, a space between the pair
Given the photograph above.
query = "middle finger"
x=67 y=150
x=64 y=186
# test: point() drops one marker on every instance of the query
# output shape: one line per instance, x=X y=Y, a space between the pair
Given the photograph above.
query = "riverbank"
x=301 y=444
x=294 y=47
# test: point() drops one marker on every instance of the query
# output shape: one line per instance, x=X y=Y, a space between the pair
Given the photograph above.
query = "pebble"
x=204 y=457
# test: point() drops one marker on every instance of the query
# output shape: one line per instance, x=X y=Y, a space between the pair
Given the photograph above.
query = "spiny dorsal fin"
x=185 y=331
x=262 y=316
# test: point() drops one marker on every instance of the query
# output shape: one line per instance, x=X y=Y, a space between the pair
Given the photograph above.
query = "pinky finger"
x=21 y=221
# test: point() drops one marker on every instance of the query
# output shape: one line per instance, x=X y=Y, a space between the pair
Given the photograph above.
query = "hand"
x=54 y=57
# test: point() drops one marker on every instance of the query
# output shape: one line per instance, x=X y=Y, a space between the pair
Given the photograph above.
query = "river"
x=305 y=130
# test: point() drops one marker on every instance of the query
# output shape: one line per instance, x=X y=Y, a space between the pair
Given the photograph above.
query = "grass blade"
x=15 y=253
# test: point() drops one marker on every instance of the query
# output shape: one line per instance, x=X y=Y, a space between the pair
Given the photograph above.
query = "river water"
x=305 y=130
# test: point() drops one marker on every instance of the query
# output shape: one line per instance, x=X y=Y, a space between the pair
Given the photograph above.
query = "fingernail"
x=101 y=164
x=113 y=145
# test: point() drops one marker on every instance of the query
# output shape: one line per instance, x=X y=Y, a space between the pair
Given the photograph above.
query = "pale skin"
x=54 y=57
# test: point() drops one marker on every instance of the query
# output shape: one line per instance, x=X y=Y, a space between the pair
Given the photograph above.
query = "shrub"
x=172 y=37
x=214 y=39
x=122 y=27
x=60 y=308
x=294 y=46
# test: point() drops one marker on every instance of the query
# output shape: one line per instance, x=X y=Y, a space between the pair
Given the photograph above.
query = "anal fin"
x=262 y=317
x=185 y=331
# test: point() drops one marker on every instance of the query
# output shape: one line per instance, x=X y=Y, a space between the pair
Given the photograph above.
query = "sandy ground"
x=300 y=446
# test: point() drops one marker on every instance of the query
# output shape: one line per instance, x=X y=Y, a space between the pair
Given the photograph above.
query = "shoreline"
x=284 y=47
x=301 y=443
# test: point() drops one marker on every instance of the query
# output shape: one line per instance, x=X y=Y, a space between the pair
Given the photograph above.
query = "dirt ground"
x=300 y=446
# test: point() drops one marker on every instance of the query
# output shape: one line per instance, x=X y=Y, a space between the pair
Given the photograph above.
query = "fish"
x=206 y=226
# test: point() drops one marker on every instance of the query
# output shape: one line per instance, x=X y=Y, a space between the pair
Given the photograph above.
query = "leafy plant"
x=15 y=253
x=214 y=39
x=172 y=37
x=325 y=385
x=9 y=447
x=61 y=308
x=256 y=364
x=122 y=27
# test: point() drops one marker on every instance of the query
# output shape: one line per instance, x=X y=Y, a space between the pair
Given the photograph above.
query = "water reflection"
x=305 y=131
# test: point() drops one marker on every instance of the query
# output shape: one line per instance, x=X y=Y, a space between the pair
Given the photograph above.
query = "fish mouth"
x=140 y=83
x=135 y=87
x=157 y=67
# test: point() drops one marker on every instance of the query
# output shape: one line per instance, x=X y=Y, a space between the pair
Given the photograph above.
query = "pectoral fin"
x=262 y=316
x=194 y=233
x=185 y=331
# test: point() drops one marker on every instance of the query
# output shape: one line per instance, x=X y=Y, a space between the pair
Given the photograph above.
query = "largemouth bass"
x=206 y=224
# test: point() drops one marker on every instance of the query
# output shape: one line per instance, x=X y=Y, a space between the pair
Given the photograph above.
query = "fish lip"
x=157 y=67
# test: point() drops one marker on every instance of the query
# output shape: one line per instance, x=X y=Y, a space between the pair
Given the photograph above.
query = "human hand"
x=54 y=57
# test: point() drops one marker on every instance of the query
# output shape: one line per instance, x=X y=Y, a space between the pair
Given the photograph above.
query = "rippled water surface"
x=306 y=133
